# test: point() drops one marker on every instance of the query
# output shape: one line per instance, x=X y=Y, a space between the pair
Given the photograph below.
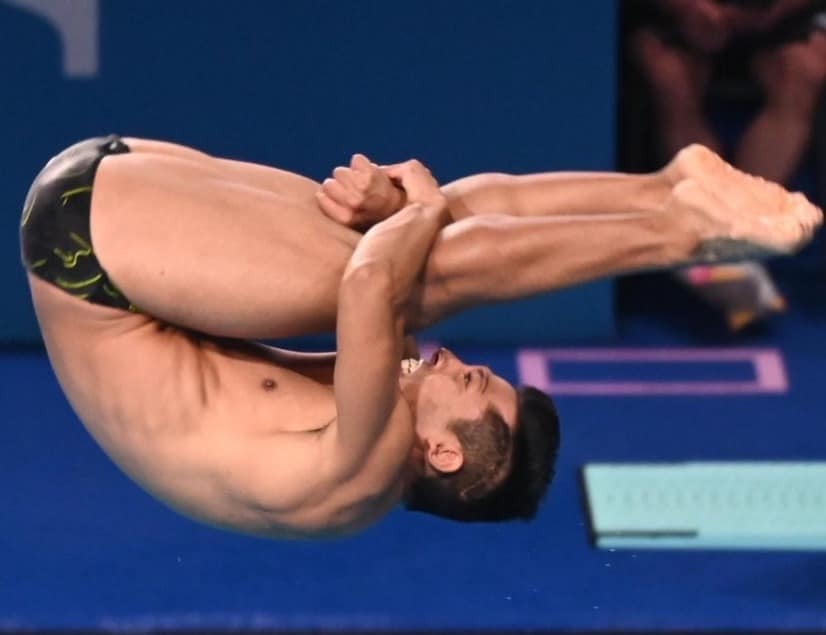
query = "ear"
x=446 y=457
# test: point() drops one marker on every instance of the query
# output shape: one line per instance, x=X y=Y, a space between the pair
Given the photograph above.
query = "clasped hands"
x=364 y=194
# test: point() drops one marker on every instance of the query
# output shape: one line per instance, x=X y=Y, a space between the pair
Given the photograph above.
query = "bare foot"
x=736 y=215
x=678 y=79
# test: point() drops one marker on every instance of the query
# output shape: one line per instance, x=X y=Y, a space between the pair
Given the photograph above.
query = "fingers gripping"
x=342 y=195
x=332 y=208
x=361 y=163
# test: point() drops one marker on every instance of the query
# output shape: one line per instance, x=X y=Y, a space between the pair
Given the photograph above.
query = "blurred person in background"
x=682 y=49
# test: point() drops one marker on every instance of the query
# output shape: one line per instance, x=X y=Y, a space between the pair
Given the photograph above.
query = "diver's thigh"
x=253 y=174
x=152 y=146
x=194 y=248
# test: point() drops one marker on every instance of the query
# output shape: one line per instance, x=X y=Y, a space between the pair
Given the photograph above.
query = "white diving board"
x=707 y=505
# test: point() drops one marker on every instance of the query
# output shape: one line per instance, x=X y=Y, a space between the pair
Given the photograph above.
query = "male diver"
x=154 y=268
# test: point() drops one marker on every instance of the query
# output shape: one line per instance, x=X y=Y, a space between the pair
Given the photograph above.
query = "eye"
x=467 y=378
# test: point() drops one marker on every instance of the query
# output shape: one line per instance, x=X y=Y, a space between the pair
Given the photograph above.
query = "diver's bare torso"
x=235 y=434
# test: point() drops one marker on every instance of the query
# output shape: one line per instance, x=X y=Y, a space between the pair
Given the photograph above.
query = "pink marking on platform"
x=535 y=367
x=771 y=372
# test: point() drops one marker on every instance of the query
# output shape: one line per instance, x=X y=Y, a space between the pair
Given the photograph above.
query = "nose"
x=473 y=367
x=446 y=358
x=442 y=357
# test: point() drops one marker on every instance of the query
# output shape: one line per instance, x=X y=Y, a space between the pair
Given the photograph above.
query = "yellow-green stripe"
x=66 y=284
x=70 y=193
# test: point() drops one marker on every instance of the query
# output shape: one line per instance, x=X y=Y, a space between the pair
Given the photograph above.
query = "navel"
x=268 y=384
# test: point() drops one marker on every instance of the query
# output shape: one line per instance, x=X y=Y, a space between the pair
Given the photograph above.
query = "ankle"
x=654 y=191
x=680 y=237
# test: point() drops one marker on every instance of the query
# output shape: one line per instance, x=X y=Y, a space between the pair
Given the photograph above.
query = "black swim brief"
x=55 y=238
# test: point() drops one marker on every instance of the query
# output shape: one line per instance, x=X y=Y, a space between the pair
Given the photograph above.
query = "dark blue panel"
x=465 y=86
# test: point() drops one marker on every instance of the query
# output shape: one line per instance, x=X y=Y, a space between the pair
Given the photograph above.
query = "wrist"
x=438 y=210
x=398 y=199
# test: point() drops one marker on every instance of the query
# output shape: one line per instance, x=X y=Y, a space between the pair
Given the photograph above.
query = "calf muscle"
x=245 y=252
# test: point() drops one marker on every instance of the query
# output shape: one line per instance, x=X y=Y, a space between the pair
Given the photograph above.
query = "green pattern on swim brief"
x=70 y=260
x=112 y=292
x=67 y=284
x=70 y=193
x=55 y=231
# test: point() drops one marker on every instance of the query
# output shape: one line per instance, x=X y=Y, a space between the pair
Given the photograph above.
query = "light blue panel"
x=777 y=505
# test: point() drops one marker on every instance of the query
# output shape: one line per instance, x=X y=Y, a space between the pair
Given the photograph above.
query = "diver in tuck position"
x=153 y=267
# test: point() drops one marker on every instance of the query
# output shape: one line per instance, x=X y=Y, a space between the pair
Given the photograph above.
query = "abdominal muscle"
x=225 y=432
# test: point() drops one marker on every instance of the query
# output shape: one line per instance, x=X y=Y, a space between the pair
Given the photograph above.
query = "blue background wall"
x=467 y=87
x=464 y=86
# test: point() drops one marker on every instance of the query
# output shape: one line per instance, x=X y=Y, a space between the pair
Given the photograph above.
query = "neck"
x=414 y=468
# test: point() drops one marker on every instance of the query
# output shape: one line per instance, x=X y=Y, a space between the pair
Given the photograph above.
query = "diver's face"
x=444 y=388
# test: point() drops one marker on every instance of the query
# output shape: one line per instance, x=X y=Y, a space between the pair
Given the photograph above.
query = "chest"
x=265 y=395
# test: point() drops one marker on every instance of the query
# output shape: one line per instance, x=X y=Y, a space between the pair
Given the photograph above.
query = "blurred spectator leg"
x=678 y=79
x=792 y=77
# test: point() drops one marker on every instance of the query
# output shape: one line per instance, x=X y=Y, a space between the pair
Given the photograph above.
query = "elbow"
x=367 y=280
x=370 y=286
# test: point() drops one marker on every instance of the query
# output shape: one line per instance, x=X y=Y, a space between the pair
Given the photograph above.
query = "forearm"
x=482 y=260
x=401 y=244
x=550 y=194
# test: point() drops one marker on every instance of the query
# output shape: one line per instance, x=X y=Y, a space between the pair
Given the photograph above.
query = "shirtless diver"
x=154 y=268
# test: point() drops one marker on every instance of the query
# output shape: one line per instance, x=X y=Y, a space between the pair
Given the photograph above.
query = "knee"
x=481 y=194
x=484 y=183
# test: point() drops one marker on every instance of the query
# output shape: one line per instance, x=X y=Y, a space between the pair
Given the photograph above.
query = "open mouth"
x=410 y=365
